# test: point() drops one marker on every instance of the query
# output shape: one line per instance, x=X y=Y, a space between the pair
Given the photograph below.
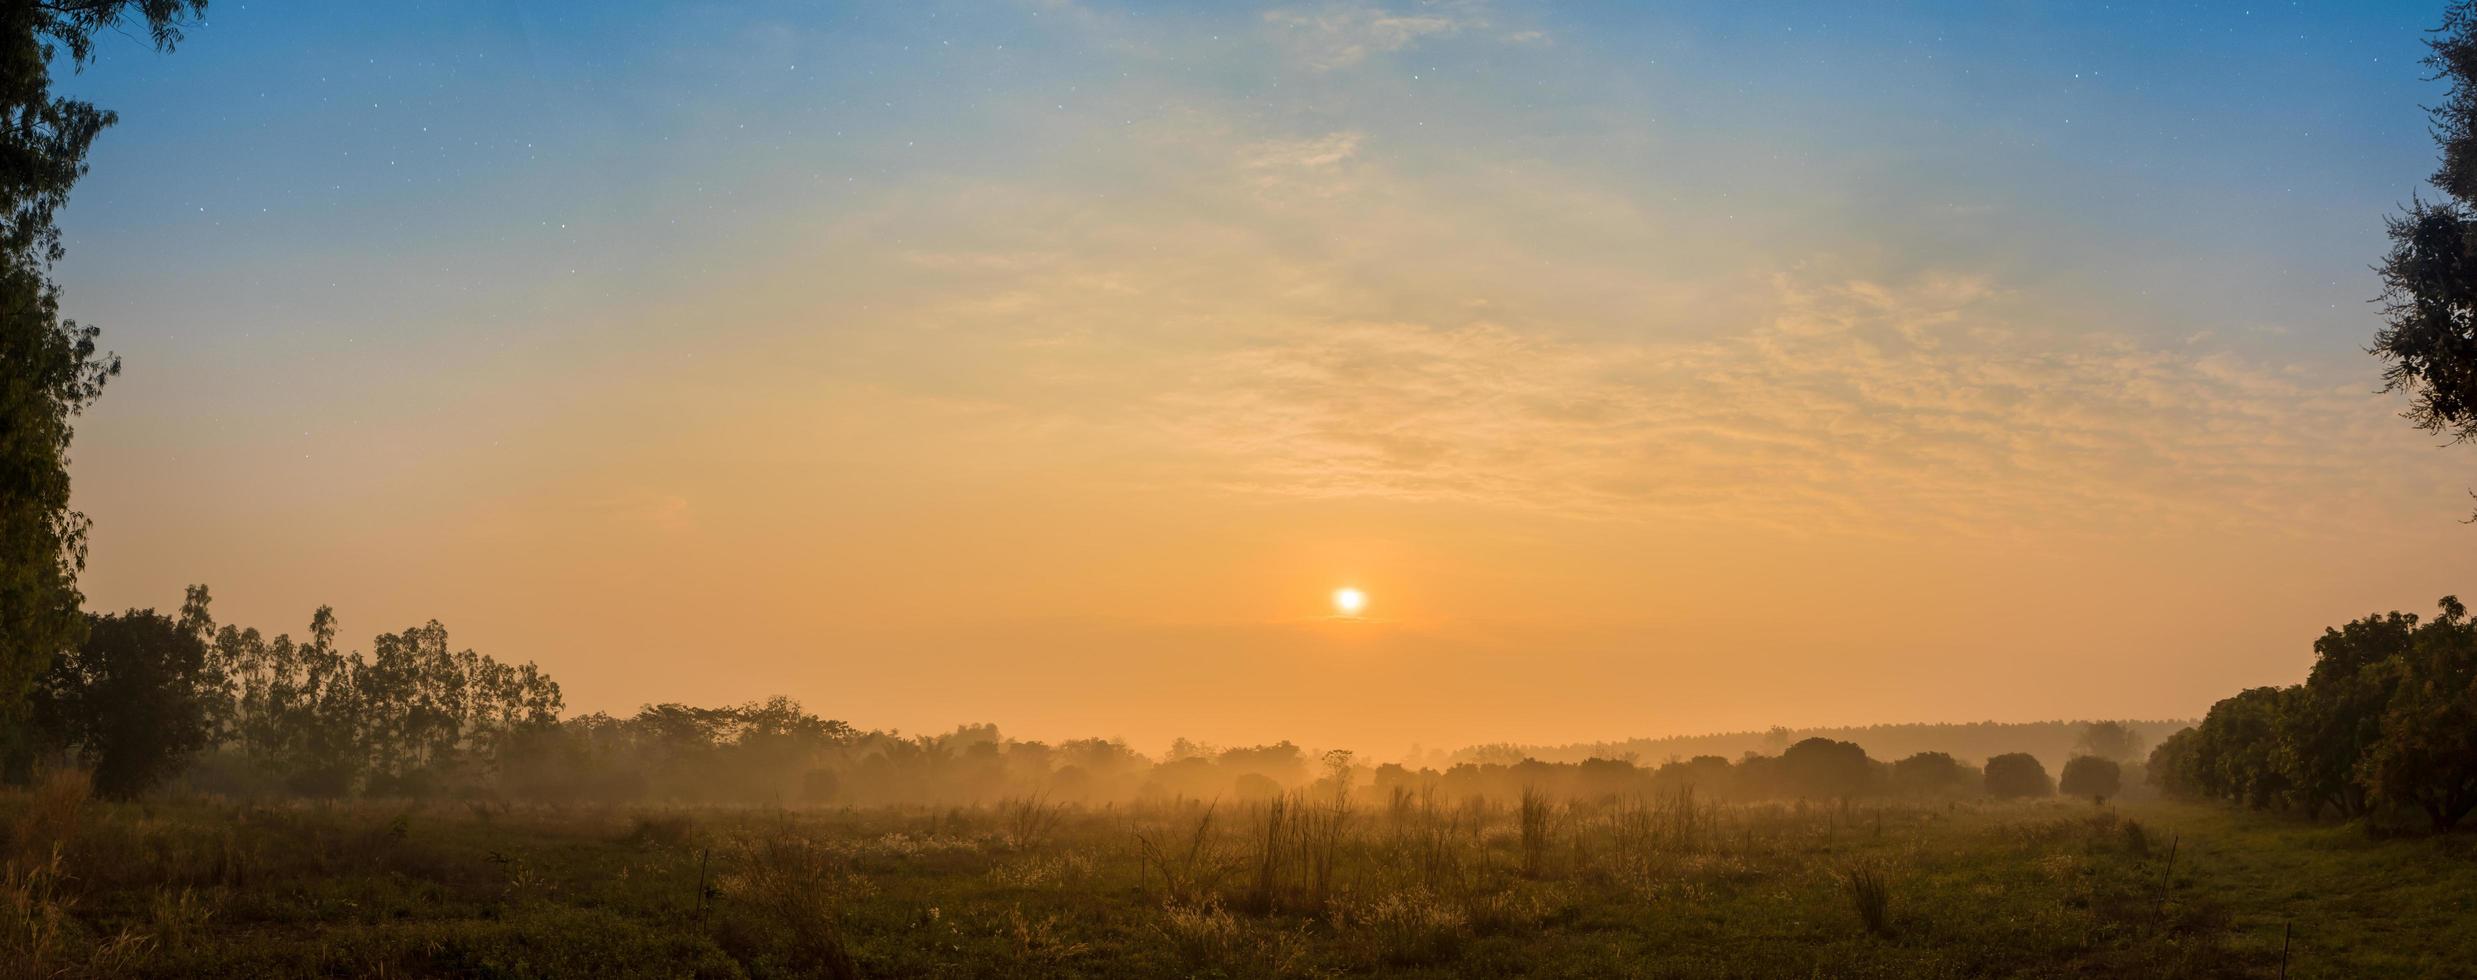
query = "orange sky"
x=1634 y=405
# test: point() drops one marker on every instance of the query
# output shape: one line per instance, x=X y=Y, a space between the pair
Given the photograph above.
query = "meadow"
x=1408 y=885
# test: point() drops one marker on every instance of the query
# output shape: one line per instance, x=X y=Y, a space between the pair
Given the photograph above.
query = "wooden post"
x=705 y=857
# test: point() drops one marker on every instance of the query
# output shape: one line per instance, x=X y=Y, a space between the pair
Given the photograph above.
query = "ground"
x=1402 y=886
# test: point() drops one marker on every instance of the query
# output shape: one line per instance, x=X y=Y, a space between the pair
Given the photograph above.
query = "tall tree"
x=50 y=368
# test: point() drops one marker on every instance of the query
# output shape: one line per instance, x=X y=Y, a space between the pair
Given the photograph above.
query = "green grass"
x=201 y=888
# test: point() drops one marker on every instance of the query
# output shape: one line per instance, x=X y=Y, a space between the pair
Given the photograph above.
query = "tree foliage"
x=2429 y=336
x=2426 y=756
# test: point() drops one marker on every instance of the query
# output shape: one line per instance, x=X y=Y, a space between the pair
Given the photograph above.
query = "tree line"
x=146 y=695
x=2051 y=741
x=151 y=698
x=1815 y=768
x=2385 y=720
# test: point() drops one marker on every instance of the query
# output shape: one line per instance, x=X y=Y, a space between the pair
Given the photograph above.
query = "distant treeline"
x=149 y=699
x=2053 y=742
x=2386 y=721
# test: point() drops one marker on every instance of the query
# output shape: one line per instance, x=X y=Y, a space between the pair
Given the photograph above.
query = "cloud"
x=1315 y=167
x=1338 y=35
x=1291 y=313
x=1321 y=152
x=1859 y=404
x=666 y=512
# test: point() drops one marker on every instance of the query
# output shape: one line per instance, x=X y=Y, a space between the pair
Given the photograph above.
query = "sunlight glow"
x=1348 y=602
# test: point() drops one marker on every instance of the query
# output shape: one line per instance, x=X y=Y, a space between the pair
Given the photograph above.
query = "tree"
x=1826 y=769
x=2175 y=766
x=2018 y=774
x=2239 y=741
x=1930 y=773
x=50 y=368
x=2427 y=755
x=2091 y=776
x=129 y=702
x=2326 y=728
x=2109 y=740
x=2429 y=336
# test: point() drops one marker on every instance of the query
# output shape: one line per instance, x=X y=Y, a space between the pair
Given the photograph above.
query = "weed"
x=1871 y=894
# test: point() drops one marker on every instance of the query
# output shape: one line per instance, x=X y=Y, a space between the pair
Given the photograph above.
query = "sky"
x=1650 y=369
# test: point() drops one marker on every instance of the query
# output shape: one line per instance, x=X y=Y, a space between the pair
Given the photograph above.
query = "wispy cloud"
x=1859 y=404
x=1297 y=313
x=1317 y=166
x=1337 y=35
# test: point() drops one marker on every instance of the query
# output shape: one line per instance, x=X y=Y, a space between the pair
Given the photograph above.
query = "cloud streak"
x=1859 y=405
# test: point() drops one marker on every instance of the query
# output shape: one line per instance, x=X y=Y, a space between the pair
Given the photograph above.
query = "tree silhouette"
x=128 y=702
x=1826 y=769
x=1928 y=773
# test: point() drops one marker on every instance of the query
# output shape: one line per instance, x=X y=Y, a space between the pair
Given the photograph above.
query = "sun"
x=1348 y=602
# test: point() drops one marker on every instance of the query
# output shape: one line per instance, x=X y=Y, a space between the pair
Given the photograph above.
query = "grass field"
x=1403 y=886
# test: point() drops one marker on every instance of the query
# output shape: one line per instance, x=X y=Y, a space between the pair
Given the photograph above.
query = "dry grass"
x=1300 y=886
